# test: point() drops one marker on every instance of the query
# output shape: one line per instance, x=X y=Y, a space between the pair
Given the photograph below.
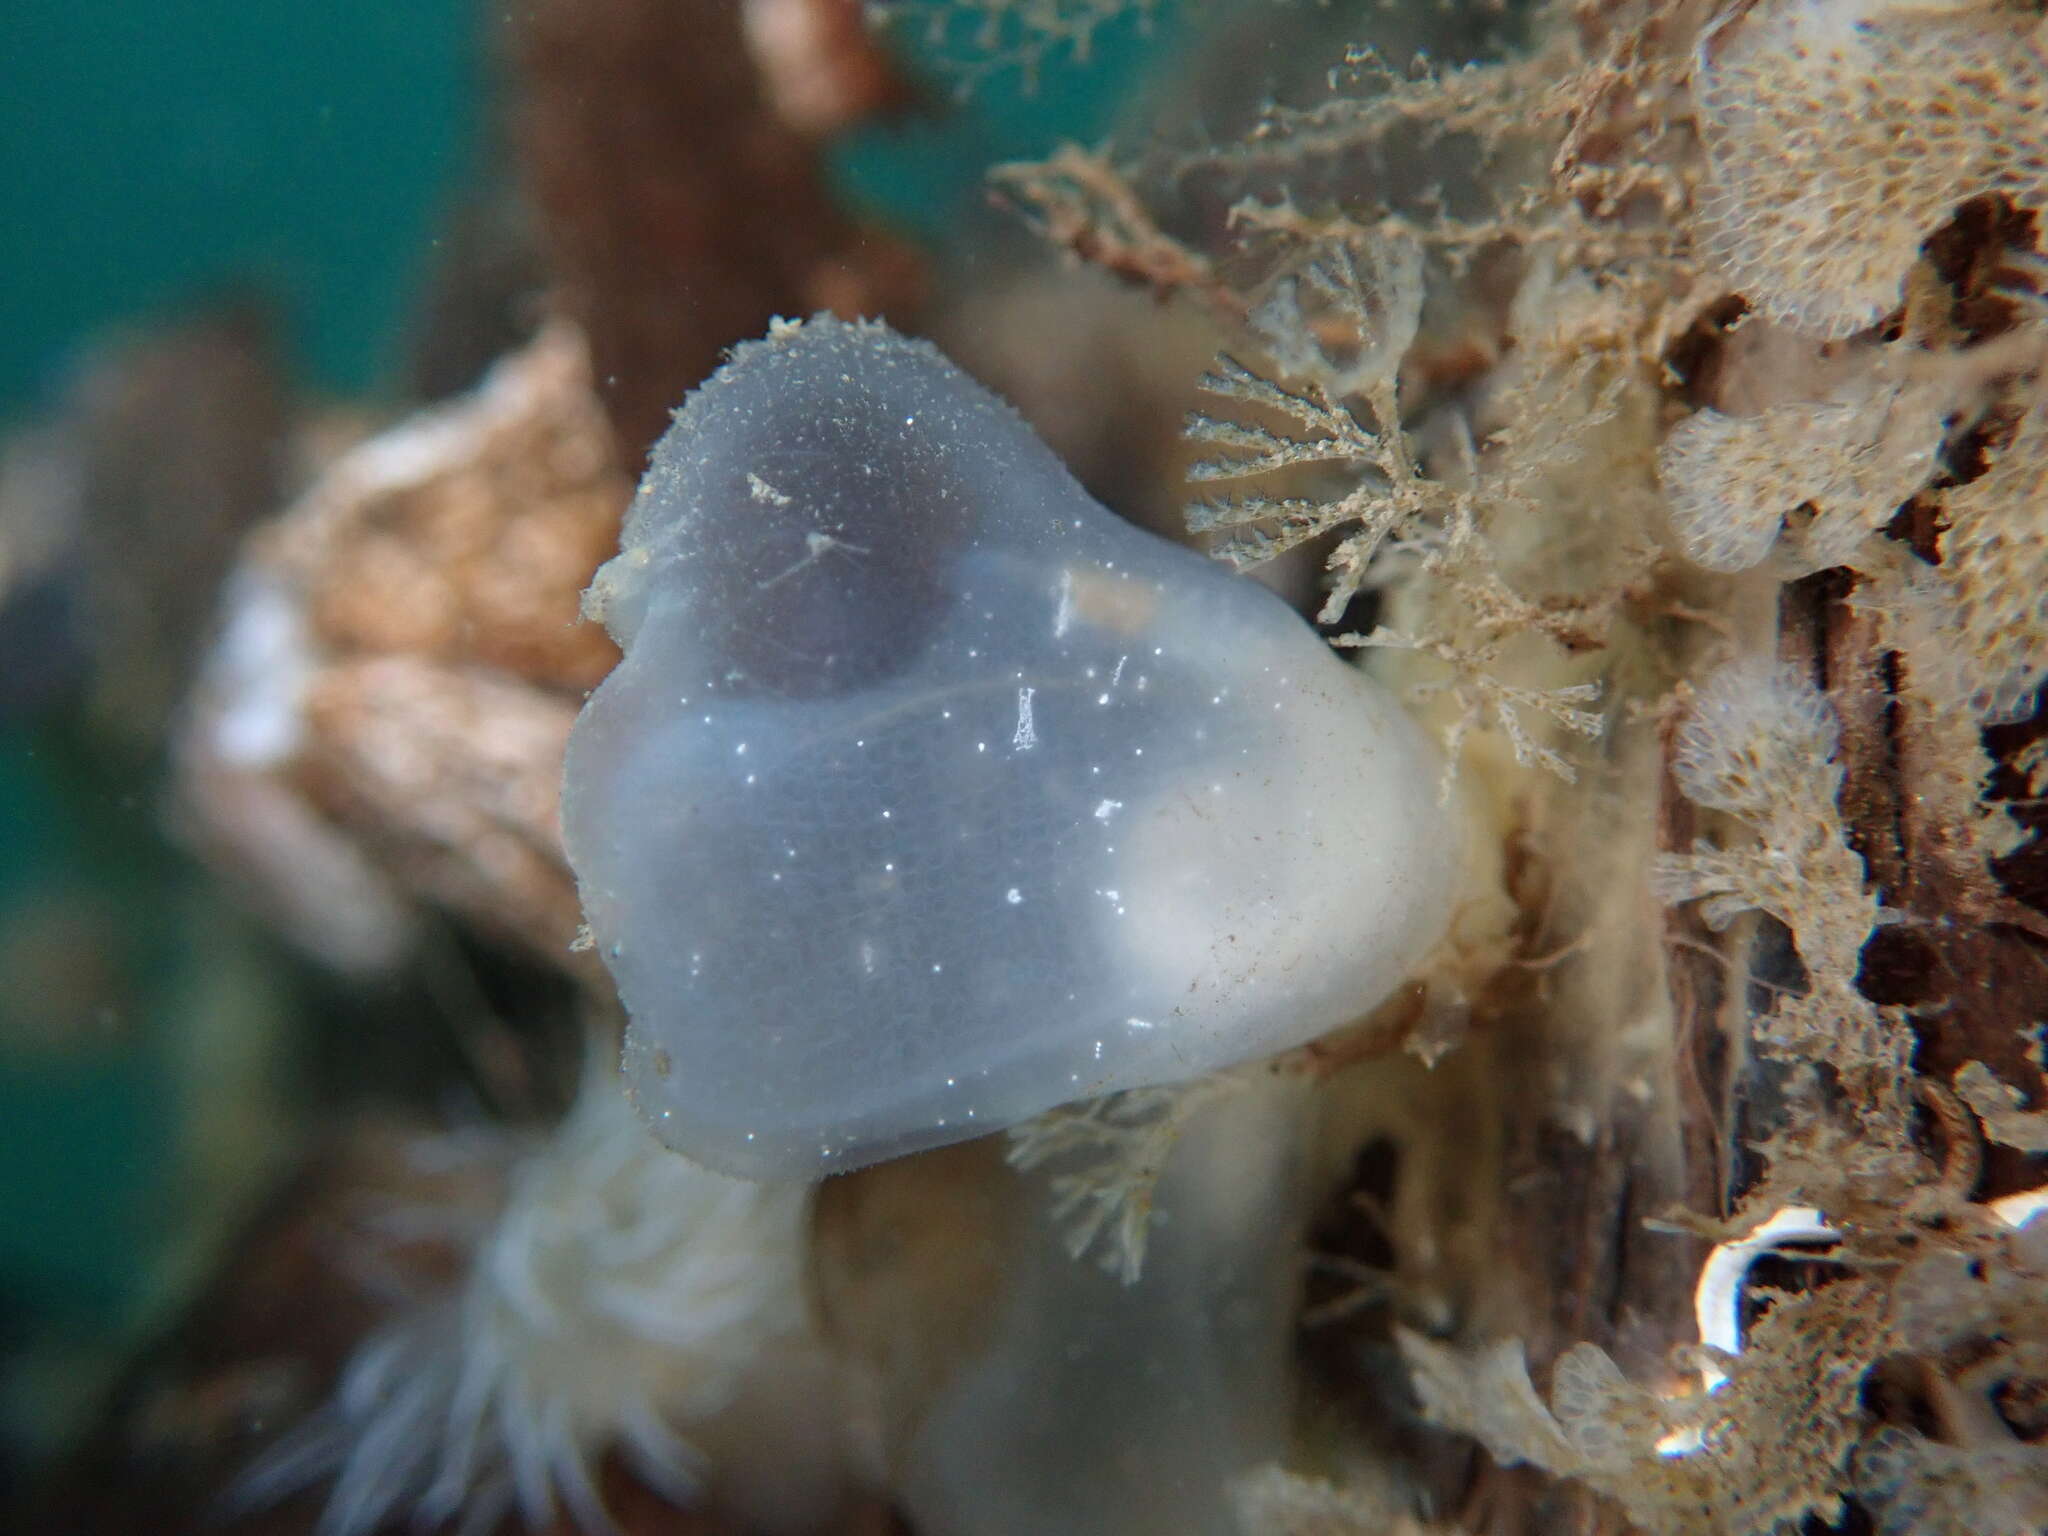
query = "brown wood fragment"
x=680 y=211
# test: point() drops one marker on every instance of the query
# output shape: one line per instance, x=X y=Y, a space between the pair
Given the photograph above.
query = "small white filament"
x=1027 y=734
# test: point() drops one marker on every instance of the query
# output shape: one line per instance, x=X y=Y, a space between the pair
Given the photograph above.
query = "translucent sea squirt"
x=929 y=794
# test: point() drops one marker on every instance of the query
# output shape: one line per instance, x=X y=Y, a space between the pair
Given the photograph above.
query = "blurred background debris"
x=323 y=384
x=398 y=663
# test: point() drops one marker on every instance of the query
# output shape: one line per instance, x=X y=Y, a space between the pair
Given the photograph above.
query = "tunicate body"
x=1099 y=1408
x=929 y=794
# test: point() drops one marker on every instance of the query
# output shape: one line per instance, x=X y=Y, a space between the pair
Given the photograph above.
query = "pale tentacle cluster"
x=622 y=1295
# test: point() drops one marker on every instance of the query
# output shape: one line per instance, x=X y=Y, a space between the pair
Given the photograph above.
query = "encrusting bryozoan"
x=1760 y=744
x=930 y=794
x=1758 y=736
x=1733 y=480
x=622 y=1297
x=1840 y=133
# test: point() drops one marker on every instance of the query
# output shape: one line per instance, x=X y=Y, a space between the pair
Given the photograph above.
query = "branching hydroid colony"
x=1684 y=455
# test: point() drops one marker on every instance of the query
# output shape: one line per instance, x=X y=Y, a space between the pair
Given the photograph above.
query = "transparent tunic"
x=929 y=794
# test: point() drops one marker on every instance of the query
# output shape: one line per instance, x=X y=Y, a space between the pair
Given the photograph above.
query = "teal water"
x=925 y=176
x=154 y=156
x=151 y=154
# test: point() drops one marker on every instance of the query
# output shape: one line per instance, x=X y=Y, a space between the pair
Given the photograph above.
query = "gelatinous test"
x=930 y=794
